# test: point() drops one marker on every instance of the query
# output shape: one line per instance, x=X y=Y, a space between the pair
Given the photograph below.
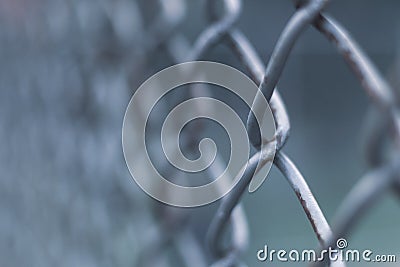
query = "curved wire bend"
x=292 y=31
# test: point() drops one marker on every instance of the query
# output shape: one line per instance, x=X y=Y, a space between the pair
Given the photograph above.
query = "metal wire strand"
x=360 y=199
x=247 y=54
x=226 y=207
x=307 y=200
x=293 y=29
x=305 y=196
x=214 y=33
x=249 y=58
x=380 y=92
x=173 y=220
x=371 y=187
x=211 y=35
x=238 y=222
x=376 y=87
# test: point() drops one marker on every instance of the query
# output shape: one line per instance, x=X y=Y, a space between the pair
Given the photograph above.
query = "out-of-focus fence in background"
x=68 y=70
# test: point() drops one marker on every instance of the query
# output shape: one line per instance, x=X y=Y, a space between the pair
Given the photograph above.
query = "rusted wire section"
x=307 y=200
x=304 y=194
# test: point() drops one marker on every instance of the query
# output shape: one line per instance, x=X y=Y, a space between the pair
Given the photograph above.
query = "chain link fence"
x=73 y=71
x=380 y=178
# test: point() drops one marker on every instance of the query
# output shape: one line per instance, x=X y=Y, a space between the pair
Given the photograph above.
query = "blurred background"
x=67 y=71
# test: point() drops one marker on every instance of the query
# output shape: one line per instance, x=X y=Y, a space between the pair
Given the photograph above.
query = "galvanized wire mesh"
x=381 y=177
x=69 y=54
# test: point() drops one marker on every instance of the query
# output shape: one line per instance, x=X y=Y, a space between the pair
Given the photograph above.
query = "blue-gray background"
x=67 y=71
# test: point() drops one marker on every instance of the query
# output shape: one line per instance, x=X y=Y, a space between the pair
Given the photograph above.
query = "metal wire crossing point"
x=227 y=235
